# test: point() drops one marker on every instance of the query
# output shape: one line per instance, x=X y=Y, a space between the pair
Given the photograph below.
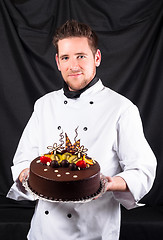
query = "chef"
x=108 y=125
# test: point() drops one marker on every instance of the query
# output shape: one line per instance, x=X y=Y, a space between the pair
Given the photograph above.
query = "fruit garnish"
x=47 y=155
x=73 y=158
x=81 y=164
x=66 y=156
x=89 y=161
x=51 y=156
x=45 y=159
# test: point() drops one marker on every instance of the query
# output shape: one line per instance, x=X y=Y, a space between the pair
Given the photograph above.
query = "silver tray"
x=99 y=194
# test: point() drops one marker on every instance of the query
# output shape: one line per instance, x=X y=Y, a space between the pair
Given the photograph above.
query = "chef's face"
x=77 y=62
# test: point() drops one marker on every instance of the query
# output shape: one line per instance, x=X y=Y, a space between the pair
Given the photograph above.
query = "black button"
x=69 y=215
x=91 y=102
x=59 y=127
x=46 y=212
x=85 y=128
x=65 y=102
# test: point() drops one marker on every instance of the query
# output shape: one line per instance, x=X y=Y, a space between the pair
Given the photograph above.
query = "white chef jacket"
x=109 y=126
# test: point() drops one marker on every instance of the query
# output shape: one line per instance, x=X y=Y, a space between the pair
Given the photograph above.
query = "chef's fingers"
x=24 y=174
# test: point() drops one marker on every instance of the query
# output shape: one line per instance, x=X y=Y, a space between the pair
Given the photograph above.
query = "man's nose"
x=74 y=64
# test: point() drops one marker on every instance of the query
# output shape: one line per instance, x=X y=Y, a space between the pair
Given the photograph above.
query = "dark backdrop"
x=131 y=41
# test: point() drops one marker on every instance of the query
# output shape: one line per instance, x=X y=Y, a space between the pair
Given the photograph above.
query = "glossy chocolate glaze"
x=63 y=183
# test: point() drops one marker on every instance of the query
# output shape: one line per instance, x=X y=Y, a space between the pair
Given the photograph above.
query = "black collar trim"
x=76 y=94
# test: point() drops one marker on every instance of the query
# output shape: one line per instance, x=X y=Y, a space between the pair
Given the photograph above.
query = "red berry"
x=44 y=159
x=81 y=164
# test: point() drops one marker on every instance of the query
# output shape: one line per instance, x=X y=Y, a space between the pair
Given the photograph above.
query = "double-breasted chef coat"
x=109 y=126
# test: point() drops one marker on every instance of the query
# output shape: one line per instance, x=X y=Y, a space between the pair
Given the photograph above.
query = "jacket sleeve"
x=26 y=151
x=137 y=160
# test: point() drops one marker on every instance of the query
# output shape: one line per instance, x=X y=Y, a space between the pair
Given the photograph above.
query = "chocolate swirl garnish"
x=61 y=139
x=76 y=131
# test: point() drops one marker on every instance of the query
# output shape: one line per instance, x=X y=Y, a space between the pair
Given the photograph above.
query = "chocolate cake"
x=62 y=183
x=66 y=174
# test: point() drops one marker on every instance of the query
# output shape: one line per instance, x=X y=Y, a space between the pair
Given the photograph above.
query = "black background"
x=130 y=39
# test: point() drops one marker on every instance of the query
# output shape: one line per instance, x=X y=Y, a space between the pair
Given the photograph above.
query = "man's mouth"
x=75 y=74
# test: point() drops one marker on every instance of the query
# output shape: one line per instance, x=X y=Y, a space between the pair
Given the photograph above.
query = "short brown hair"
x=72 y=28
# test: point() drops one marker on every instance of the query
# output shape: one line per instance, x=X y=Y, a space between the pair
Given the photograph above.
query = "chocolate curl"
x=76 y=131
x=61 y=139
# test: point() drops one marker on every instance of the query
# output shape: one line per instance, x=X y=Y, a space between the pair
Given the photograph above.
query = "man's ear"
x=98 y=58
x=57 y=61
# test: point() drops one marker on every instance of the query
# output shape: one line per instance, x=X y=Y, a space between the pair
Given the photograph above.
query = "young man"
x=110 y=127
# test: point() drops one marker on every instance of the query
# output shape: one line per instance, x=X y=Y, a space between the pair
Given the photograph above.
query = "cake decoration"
x=55 y=148
x=73 y=156
x=75 y=176
x=80 y=151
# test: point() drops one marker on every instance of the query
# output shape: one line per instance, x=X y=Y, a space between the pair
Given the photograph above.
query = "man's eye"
x=64 y=58
x=81 y=56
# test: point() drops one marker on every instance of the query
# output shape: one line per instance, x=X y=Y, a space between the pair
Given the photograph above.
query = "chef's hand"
x=116 y=183
x=24 y=174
